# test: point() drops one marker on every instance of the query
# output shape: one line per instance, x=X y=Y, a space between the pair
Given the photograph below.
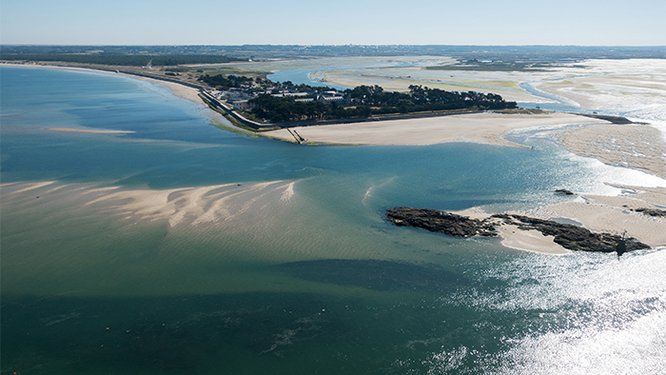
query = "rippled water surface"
x=182 y=248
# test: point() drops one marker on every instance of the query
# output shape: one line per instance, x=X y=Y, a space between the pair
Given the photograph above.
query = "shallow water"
x=296 y=272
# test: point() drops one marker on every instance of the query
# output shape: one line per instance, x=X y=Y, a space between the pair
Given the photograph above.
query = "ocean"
x=269 y=257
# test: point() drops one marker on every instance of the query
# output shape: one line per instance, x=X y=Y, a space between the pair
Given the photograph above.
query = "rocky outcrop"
x=569 y=236
x=573 y=237
x=617 y=120
x=564 y=192
x=440 y=221
x=651 y=212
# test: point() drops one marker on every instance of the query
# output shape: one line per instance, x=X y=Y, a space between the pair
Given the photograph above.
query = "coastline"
x=177 y=89
x=597 y=213
x=484 y=128
x=594 y=212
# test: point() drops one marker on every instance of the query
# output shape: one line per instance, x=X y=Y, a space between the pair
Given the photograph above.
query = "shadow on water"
x=371 y=274
x=232 y=333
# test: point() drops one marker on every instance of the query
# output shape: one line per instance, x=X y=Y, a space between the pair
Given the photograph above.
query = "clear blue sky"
x=583 y=22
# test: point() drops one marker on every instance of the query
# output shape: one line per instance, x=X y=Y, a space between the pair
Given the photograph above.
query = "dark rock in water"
x=569 y=236
x=573 y=237
x=564 y=192
x=440 y=221
x=617 y=120
x=651 y=212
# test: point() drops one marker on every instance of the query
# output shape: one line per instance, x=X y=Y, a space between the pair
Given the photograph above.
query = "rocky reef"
x=651 y=212
x=564 y=192
x=440 y=221
x=573 y=237
x=568 y=236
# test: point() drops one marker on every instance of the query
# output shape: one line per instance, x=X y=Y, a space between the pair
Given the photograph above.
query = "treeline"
x=364 y=101
x=258 y=84
x=222 y=82
x=120 y=59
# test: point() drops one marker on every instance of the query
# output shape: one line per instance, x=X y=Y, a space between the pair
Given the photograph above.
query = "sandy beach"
x=598 y=213
x=614 y=214
x=485 y=128
x=181 y=91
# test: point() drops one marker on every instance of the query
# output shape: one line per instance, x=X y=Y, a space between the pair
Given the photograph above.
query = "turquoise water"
x=316 y=282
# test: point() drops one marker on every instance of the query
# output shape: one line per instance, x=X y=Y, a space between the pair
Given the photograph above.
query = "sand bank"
x=485 y=128
x=91 y=131
x=188 y=206
x=515 y=238
x=613 y=214
x=639 y=147
x=617 y=85
x=529 y=240
x=608 y=214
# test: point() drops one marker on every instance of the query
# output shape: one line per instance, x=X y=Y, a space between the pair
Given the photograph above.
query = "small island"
x=568 y=236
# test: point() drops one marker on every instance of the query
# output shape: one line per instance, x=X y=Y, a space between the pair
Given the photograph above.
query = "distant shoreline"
x=401 y=131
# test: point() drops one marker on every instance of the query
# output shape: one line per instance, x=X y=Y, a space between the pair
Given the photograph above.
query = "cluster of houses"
x=239 y=98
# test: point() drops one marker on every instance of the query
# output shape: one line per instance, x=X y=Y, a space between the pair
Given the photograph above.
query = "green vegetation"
x=222 y=82
x=494 y=66
x=120 y=59
x=365 y=101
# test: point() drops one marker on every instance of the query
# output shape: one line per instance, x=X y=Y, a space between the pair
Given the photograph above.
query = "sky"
x=222 y=22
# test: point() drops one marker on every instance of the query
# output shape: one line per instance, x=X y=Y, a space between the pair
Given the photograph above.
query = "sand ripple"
x=177 y=207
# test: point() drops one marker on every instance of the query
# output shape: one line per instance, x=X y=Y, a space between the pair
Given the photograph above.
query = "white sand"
x=529 y=240
x=515 y=238
x=486 y=128
x=181 y=91
x=608 y=214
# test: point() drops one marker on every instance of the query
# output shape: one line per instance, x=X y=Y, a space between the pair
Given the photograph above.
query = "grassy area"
x=493 y=67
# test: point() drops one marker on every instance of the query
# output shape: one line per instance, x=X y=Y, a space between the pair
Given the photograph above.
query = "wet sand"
x=181 y=91
x=484 y=128
x=639 y=147
x=192 y=206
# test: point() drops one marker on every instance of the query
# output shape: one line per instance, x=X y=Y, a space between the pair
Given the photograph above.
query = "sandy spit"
x=485 y=128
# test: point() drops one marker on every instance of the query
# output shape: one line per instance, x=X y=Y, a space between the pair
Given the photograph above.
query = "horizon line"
x=341 y=45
